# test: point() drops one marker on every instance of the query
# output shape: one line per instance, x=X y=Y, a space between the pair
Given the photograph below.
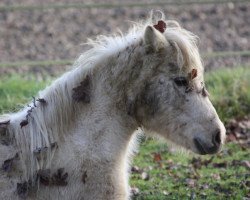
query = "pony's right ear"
x=154 y=40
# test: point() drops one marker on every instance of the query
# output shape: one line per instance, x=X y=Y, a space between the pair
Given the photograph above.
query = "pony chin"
x=173 y=147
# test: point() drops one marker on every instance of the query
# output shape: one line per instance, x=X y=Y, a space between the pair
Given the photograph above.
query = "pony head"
x=174 y=102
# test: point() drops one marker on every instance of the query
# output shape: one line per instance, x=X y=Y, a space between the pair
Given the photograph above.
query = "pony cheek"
x=159 y=125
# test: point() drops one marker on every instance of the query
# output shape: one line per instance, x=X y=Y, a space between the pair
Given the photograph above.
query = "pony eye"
x=181 y=81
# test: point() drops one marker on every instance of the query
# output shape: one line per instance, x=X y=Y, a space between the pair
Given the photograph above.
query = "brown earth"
x=58 y=34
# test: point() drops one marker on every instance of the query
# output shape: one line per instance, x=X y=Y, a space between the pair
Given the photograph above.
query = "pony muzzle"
x=204 y=148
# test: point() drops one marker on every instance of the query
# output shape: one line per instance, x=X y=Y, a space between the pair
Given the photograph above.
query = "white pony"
x=75 y=139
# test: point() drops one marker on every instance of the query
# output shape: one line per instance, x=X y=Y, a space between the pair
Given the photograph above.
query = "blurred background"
x=39 y=40
x=52 y=30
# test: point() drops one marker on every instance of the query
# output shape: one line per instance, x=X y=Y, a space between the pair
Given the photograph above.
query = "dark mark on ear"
x=160 y=26
x=82 y=92
x=84 y=177
x=193 y=74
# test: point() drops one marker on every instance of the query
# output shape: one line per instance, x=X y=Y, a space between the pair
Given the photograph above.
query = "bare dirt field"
x=57 y=34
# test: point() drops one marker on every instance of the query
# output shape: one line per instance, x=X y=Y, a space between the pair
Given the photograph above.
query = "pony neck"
x=49 y=124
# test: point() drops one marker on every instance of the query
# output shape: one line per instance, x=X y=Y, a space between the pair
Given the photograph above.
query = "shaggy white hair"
x=49 y=122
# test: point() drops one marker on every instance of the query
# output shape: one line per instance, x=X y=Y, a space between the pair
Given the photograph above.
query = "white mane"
x=50 y=121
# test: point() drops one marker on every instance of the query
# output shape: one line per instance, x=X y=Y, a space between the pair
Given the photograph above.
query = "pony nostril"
x=217 y=138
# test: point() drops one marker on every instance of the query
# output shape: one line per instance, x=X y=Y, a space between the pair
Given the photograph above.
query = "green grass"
x=174 y=174
x=230 y=91
x=174 y=171
x=15 y=91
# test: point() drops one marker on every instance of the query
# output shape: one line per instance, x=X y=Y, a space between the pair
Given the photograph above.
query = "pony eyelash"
x=181 y=81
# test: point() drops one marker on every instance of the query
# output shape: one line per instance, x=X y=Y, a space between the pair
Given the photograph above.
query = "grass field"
x=159 y=173
x=230 y=91
x=185 y=176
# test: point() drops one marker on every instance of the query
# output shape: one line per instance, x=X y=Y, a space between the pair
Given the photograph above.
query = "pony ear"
x=154 y=40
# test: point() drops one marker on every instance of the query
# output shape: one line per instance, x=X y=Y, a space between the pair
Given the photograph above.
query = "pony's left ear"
x=154 y=40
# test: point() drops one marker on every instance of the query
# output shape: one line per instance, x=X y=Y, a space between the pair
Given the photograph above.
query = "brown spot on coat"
x=54 y=145
x=4 y=136
x=7 y=165
x=22 y=189
x=43 y=101
x=39 y=150
x=58 y=178
x=24 y=123
x=5 y=139
x=84 y=177
x=4 y=123
x=81 y=93
x=44 y=176
x=34 y=101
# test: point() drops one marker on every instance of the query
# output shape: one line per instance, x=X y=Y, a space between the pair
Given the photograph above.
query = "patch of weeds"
x=185 y=176
x=229 y=89
x=15 y=91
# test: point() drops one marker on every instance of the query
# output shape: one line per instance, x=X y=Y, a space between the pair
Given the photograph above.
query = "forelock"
x=187 y=43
